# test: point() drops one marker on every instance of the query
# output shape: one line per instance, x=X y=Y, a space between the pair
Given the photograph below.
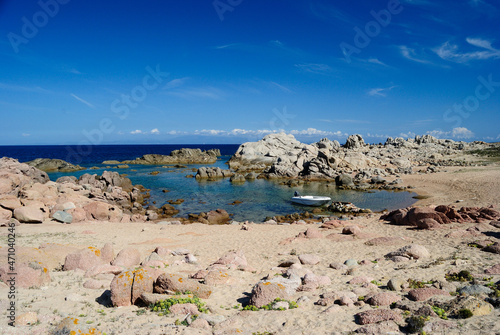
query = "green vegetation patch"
x=464 y=313
x=269 y=306
x=440 y=312
x=461 y=276
x=419 y=284
x=163 y=307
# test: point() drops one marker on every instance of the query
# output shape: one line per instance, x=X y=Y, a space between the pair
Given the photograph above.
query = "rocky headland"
x=354 y=164
x=182 y=156
x=54 y=165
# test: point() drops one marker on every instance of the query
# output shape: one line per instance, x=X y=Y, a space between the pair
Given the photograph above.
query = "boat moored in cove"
x=310 y=200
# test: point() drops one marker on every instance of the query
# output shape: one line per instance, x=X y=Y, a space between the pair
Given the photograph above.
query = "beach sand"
x=65 y=296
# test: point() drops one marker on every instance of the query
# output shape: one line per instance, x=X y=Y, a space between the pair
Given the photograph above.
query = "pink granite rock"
x=383 y=299
x=83 y=259
x=378 y=315
x=265 y=292
x=127 y=257
x=421 y=294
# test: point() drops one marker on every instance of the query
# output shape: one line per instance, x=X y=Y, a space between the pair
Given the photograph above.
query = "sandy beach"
x=265 y=247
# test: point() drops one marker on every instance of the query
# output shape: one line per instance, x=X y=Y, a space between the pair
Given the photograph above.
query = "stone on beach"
x=219 y=216
x=383 y=299
x=83 y=259
x=378 y=315
x=102 y=211
x=62 y=216
x=128 y=286
x=494 y=270
x=309 y=259
x=178 y=283
x=30 y=214
x=233 y=258
x=127 y=257
x=414 y=251
x=31 y=275
x=494 y=248
x=103 y=269
x=421 y=294
x=266 y=292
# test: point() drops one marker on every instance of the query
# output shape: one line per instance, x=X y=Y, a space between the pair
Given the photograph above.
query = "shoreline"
x=476 y=186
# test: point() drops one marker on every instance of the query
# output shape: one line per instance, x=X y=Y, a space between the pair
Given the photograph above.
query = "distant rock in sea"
x=182 y=156
x=54 y=165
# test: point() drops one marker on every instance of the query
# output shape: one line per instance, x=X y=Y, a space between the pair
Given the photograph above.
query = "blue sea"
x=260 y=198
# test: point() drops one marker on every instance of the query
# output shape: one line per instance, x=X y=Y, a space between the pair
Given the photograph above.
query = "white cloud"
x=379 y=91
x=376 y=61
x=263 y=132
x=450 y=52
x=82 y=100
x=314 y=131
x=455 y=133
x=175 y=83
x=410 y=54
x=281 y=87
x=461 y=132
x=26 y=134
x=409 y=134
x=154 y=131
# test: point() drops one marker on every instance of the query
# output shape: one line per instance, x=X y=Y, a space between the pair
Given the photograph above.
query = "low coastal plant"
x=163 y=307
x=376 y=283
x=416 y=324
x=495 y=287
x=461 y=276
x=185 y=322
x=419 y=284
x=440 y=312
x=464 y=313
x=269 y=306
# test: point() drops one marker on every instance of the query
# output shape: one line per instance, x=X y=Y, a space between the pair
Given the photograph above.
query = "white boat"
x=311 y=200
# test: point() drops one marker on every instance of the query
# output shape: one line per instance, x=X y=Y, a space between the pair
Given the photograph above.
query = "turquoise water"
x=260 y=198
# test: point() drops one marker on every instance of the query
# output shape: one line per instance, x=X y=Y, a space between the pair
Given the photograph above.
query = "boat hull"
x=309 y=200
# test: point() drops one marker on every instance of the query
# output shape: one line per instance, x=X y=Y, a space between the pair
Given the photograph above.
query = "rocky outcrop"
x=280 y=155
x=54 y=165
x=429 y=218
x=14 y=176
x=182 y=156
x=212 y=173
x=26 y=195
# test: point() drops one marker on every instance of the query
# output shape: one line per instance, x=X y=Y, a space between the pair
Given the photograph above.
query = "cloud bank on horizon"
x=92 y=72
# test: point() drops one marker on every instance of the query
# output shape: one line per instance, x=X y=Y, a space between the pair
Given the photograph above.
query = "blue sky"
x=229 y=71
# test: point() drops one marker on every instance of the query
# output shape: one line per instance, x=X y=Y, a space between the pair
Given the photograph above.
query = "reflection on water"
x=260 y=198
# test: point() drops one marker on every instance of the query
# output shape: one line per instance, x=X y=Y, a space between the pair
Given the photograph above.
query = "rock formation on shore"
x=182 y=156
x=54 y=165
x=27 y=196
x=282 y=156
